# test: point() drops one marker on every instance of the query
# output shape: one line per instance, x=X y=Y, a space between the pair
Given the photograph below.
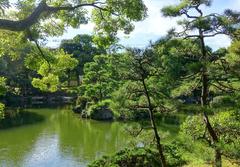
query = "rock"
x=101 y=113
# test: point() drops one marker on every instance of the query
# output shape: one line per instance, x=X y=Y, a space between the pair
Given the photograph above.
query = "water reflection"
x=61 y=140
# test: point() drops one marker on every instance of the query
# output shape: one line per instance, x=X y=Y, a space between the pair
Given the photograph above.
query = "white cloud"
x=155 y=23
x=219 y=41
x=153 y=27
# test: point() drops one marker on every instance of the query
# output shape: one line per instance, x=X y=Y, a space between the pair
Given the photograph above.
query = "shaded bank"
x=14 y=118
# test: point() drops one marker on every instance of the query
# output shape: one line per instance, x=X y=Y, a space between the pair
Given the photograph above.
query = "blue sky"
x=155 y=25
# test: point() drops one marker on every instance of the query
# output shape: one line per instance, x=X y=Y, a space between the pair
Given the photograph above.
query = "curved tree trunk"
x=204 y=103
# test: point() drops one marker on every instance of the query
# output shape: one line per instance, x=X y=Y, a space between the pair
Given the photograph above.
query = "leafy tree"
x=200 y=26
x=82 y=48
x=98 y=81
x=50 y=69
x=142 y=89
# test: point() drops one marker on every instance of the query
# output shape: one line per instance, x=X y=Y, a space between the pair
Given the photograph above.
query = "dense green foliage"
x=139 y=157
x=178 y=74
x=82 y=48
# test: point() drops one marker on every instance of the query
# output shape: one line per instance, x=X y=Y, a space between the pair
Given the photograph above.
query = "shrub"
x=140 y=157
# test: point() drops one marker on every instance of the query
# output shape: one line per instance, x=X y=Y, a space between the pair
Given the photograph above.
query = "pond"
x=61 y=139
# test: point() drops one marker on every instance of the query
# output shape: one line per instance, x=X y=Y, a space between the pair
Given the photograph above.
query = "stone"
x=102 y=113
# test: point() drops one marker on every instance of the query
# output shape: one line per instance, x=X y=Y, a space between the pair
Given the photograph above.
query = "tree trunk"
x=218 y=158
x=204 y=102
x=157 y=137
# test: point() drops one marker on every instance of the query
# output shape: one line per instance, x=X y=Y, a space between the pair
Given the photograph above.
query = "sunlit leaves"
x=73 y=18
x=183 y=7
x=174 y=10
x=46 y=83
x=226 y=125
x=11 y=43
x=50 y=68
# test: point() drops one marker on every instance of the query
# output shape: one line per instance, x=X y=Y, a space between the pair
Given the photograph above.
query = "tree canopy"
x=51 y=17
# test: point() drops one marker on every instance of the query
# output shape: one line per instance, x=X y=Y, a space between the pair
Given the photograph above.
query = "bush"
x=225 y=124
x=140 y=157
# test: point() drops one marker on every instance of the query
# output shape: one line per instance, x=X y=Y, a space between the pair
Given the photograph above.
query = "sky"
x=155 y=25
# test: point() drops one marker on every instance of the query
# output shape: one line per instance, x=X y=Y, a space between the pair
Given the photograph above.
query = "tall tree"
x=200 y=26
x=142 y=89
x=98 y=81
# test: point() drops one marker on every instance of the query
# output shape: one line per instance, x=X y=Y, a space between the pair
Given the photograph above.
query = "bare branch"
x=40 y=50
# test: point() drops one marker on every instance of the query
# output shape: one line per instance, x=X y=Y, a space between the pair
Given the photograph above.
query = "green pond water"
x=60 y=140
